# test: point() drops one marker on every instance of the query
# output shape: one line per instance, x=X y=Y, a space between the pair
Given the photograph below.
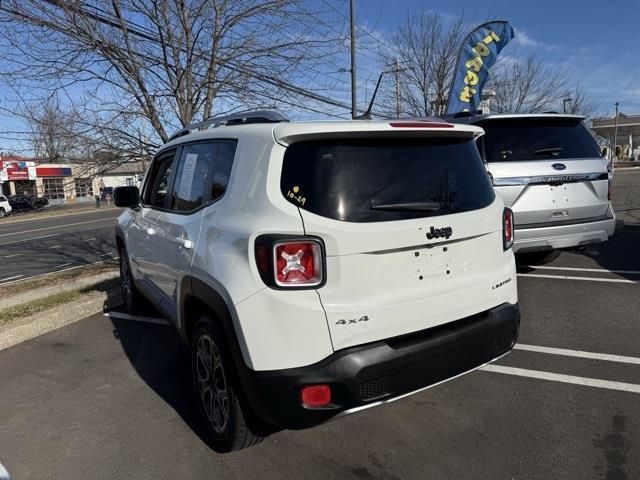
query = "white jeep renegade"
x=315 y=269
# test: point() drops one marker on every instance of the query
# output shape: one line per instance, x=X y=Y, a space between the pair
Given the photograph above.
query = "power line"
x=230 y=65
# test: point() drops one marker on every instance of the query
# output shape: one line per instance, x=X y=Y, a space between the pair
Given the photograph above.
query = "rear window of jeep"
x=365 y=180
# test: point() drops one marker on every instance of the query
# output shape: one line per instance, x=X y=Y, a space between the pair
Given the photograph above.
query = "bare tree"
x=581 y=103
x=527 y=85
x=426 y=46
x=158 y=64
x=52 y=130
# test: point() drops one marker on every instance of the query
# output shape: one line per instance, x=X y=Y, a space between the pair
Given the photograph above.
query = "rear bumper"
x=381 y=371
x=550 y=237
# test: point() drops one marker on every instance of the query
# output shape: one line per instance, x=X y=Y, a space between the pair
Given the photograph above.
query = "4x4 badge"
x=445 y=232
x=342 y=321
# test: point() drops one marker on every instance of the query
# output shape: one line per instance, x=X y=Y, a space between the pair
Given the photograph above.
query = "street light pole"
x=354 y=98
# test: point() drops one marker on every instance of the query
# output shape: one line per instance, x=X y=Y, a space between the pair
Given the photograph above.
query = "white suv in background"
x=315 y=269
x=549 y=170
x=5 y=207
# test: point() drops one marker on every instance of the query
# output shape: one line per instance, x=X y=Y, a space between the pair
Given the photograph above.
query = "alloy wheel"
x=212 y=383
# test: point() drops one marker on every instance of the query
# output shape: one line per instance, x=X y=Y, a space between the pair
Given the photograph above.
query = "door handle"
x=188 y=244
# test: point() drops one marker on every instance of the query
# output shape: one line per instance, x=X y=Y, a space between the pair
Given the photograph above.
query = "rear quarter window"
x=529 y=139
x=343 y=179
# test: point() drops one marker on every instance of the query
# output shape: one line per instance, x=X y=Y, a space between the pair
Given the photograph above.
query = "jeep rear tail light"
x=287 y=262
x=298 y=263
x=507 y=228
x=609 y=190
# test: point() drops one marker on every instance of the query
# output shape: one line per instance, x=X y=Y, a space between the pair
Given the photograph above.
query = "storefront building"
x=58 y=183
x=65 y=182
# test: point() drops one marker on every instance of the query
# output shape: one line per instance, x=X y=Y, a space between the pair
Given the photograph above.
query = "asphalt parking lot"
x=108 y=398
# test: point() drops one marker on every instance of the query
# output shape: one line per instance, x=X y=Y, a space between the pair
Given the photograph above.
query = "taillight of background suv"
x=507 y=228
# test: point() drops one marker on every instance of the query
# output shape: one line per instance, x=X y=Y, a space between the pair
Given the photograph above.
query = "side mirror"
x=126 y=197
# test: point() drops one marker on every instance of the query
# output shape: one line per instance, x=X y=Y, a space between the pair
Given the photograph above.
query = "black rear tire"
x=537 y=258
x=131 y=297
x=2 y=212
x=216 y=387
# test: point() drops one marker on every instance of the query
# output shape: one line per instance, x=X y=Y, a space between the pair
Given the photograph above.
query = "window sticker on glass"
x=188 y=171
x=294 y=194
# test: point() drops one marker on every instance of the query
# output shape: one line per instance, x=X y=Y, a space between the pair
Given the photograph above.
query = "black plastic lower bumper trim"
x=382 y=370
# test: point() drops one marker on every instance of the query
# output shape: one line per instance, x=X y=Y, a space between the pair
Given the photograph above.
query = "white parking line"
x=55 y=246
x=11 y=256
x=63 y=265
x=556 y=377
x=105 y=254
x=10 y=278
x=575 y=269
x=89 y=239
x=586 y=279
x=137 y=318
x=578 y=354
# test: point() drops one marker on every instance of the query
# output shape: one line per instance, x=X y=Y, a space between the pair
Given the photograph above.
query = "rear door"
x=547 y=169
x=202 y=172
x=411 y=228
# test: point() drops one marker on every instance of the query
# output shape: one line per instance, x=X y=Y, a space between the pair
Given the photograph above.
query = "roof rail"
x=240 y=118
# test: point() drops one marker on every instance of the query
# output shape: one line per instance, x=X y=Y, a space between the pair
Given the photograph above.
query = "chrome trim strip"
x=547 y=179
x=350 y=411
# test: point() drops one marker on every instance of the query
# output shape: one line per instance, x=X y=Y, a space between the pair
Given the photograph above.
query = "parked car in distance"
x=5 y=206
x=315 y=269
x=549 y=170
x=25 y=203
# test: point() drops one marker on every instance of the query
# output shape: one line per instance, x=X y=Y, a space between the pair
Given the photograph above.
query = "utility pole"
x=615 y=137
x=396 y=70
x=354 y=97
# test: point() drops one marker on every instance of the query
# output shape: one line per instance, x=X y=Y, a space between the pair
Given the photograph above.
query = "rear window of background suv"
x=342 y=179
x=530 y=139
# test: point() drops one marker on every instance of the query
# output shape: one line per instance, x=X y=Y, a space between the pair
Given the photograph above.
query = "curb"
x=57 y=317
x=59 y=287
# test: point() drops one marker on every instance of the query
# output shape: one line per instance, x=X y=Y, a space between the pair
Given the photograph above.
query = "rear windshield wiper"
x=417 y=206
x=542 y=151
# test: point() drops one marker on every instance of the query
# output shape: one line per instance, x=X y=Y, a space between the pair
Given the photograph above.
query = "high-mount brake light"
x=507 y=228
x=415 y=124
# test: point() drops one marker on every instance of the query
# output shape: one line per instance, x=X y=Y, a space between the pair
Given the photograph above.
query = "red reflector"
x=298 y=263
x=421 y=125
x=316 y=396
x=507 y=228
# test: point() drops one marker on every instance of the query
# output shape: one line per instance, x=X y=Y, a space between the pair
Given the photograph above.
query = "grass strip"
x=50 y=279
x=35 y=306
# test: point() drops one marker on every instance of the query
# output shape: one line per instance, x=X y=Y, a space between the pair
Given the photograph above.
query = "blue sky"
x=596 y=43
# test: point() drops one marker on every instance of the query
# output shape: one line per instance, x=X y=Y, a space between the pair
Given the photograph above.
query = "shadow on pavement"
x=160 y=359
